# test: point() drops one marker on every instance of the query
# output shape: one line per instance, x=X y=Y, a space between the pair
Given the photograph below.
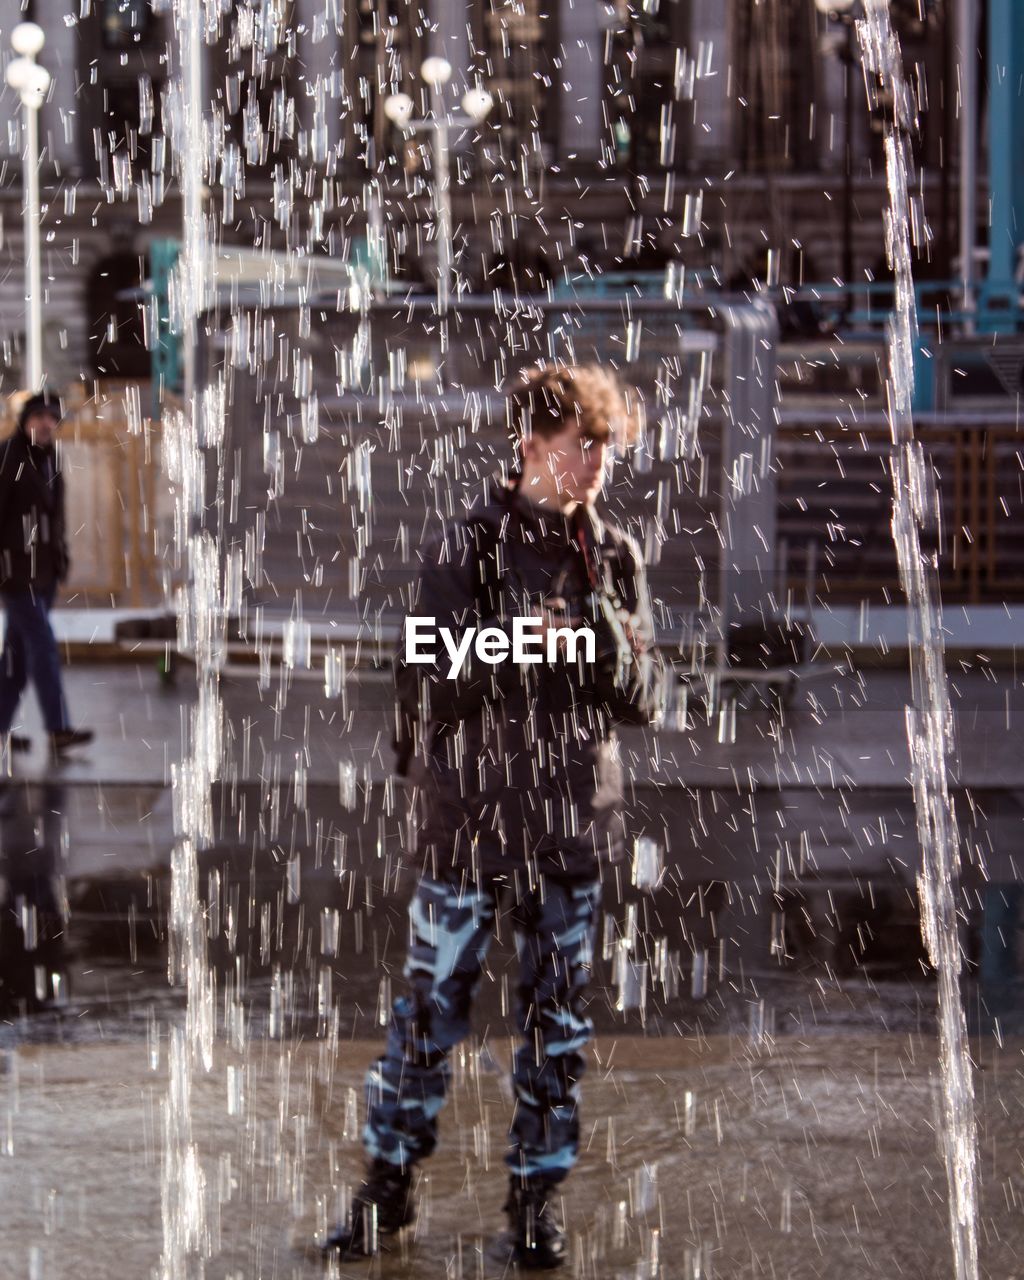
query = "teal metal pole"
x=165 y=348
x=999 y=310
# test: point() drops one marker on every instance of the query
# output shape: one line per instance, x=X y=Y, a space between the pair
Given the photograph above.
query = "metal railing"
x=835 y=498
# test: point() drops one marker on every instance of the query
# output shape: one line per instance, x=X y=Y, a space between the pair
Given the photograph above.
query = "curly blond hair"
x=549 y=397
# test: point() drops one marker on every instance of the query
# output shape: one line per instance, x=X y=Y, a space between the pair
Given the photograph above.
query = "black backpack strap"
x=617 y=565
x=624 y=578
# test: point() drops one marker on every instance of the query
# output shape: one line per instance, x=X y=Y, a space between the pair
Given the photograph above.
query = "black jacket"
x=518 y=767
x=33 y=546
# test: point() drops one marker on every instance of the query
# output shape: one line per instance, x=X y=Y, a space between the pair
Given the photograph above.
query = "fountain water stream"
x=930 y=718
x=201 y=630
x=198 y=428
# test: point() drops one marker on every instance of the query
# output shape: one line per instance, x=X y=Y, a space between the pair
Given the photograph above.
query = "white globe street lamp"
x=31 y=83
x=436 y=71
x=17 y=71
x=477 y=104
x=398 y=108
x=843 y=48
x=27 y=39
x=29 y=80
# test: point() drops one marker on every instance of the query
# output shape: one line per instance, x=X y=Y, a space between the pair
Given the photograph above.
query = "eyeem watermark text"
x=527 y=642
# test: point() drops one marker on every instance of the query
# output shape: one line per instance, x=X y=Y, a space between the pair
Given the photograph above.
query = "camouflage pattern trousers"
x=451 y=925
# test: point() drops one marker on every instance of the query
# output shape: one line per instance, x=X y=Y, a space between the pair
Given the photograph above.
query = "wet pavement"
x=787 y=851
x=765 y=1015
x=703 y=1156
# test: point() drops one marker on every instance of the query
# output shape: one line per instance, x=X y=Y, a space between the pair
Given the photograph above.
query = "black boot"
x=66 y=739
x=381 y=1207
x=538 y=1242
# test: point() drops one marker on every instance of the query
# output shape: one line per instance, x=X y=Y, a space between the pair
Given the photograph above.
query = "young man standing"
x=519 y=791
x=33 y=562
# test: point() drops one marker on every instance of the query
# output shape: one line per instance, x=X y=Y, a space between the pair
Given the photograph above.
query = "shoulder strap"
x=615 y=561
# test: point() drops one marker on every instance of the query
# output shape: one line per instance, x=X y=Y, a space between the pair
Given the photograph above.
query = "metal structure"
x=967 y=59
x=476 y=103
x=165 y=344
x=748 y=567
x=842 y=11
x=999 y=294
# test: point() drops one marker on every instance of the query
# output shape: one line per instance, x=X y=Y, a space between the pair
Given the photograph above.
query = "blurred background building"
x=608 y=117
x=728 y=148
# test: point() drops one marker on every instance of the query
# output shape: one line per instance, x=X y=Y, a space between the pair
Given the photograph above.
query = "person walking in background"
x=519 y=786
x=33 y=562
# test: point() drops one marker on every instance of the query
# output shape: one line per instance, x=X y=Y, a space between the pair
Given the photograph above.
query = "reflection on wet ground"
x=315 y=920
x=35 y=912
x=762 y=1089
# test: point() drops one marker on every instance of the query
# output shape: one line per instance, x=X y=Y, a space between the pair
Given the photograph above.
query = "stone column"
x=709 y=46
x=580 y=94
x=59 y=115
x=318 y=84
x=58 y=120
x=830 y=122
x=450 y=39
x=831 y=113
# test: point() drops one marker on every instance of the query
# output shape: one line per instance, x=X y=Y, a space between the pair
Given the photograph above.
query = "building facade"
x=625 y=134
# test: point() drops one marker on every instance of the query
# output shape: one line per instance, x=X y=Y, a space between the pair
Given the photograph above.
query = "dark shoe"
x=538 y=1242
x=68 y=738
x=381 y=1207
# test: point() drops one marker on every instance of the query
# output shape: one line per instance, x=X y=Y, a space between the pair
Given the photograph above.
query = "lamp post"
x=398 y=107
x=31 y=82
x=967 y=71
x=841 y=10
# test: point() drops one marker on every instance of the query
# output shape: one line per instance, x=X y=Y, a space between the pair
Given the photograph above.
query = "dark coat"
x=519 y=767
x=33 y=546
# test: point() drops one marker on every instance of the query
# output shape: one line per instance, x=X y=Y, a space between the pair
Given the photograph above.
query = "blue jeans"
x=451 y=926
x=30 y=653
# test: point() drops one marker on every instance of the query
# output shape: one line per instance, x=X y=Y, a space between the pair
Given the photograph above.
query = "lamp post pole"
x=442 y=203
x=437 y=71
x=967 y=54
x=848 y=60
x=476 y=103
x=31 y=82
x=33 y=267
x=842 y=11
